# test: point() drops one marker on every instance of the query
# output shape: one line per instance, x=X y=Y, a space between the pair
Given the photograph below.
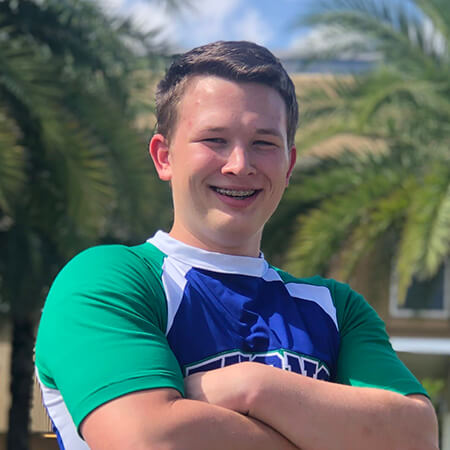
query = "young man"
x=192 y=340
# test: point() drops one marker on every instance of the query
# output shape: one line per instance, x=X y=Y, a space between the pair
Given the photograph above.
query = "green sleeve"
x=102 y=331
x=366 y=357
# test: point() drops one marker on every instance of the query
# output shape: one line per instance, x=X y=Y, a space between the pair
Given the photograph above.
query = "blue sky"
x=267 y=22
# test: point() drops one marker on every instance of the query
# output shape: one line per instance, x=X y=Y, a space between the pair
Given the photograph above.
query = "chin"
x=237 y=233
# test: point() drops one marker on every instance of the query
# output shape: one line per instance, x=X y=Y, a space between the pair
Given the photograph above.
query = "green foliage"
x=435 y=388
x=74 y=170
x=347 y=200
x=11 y=164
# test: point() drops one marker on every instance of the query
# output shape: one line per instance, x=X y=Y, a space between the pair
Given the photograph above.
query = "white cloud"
x=148 y=16
x=434 y=40
x=202 y=22
x=206 y=21
x=216 y=10
x=322 y=39
x=252 y=27
x=111 y=6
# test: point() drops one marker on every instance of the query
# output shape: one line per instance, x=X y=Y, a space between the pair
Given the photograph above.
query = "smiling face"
x=228 y=163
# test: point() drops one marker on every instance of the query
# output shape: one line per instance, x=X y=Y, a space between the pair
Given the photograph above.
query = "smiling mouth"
x=239 y=194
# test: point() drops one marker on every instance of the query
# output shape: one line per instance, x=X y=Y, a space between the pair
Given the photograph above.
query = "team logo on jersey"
x=282 y=359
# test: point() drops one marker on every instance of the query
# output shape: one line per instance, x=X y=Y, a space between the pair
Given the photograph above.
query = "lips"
x=235 y=193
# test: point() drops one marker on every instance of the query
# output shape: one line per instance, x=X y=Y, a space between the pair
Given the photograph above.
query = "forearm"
x=316 y=414
x=161 y=419
x=197 y=425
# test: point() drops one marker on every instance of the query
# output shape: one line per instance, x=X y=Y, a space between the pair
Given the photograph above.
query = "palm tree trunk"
x=21 y=387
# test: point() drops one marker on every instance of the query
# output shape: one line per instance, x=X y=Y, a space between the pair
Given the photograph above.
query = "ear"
x=159 y=151
x=292 y=159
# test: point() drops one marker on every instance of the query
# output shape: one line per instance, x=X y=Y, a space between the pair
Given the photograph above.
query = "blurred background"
x=369 y=202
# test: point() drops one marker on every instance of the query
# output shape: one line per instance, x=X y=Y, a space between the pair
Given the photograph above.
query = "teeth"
x=234 y=193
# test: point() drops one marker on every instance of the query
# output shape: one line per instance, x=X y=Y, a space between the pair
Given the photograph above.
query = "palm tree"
x=72 y=163
x=395 y=186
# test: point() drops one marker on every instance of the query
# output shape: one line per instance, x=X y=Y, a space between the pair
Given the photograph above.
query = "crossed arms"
x=255 y=406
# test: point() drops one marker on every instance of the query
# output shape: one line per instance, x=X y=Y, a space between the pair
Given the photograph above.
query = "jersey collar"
x=203 y=259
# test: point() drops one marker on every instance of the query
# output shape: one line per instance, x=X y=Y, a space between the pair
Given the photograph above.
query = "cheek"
x=192 y=171
x=188 y=160
x=275 y=168
x=201 y=162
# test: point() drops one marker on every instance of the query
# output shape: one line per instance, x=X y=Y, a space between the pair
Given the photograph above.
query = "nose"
x=239 y=162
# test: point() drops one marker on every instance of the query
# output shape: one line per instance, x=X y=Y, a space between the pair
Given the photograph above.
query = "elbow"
x=425 y=434
x=431 y=436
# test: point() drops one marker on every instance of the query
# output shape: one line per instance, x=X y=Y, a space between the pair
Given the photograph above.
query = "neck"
x=228 y=245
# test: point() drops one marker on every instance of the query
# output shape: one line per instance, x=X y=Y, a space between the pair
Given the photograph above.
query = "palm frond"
x=386 y=214
x=380 y=105
x=322 y=231
x=348 y=204
x=69 y=82
x=411 y=248
x=438 y=13
x=438 y=244
x=394 y=29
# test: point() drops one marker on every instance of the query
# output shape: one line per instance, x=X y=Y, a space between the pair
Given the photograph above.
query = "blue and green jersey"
x=122 y=319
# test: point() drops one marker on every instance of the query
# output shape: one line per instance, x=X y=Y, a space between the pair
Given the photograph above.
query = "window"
x=427 y=299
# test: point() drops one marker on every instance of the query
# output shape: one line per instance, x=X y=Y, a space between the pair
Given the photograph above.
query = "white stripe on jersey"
x=57 y=410
x=318 y=294
x=174 y=282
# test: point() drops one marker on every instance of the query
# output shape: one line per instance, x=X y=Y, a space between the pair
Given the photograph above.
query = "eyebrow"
x=215 y=129
x=269 y=131
x=266 y=131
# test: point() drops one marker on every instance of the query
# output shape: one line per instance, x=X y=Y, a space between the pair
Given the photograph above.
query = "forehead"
x=214 y=97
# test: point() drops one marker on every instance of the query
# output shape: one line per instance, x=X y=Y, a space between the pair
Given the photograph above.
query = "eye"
x=262 y=143
x=215 y=140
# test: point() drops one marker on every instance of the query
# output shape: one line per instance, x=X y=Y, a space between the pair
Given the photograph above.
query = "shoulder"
x=116 y=256
x=111 y=286
x=111 y=265
x=347 y=303
x=104 y=279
